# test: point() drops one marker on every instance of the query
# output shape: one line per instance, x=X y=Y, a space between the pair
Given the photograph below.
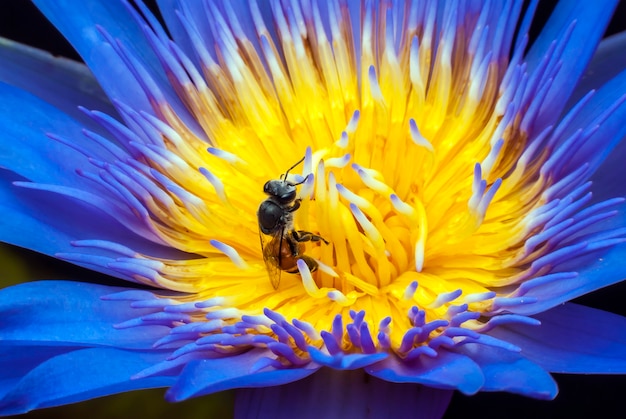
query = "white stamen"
x=326 y=269
x=307 y=279
x=409 y=292
x=352 y=197
x=488 y=197
x=479 y=296
x=296 y=178
x=377 y=94
x=368 y=178
x=354 y=122
x=478 y=188
x=478 y=82
x=224 y=155
x=260 y=320
x=232 y=254
x=226 y=313
x=343 y=141
x=414 y=66
x=370 y=230
x=419 y=255
x=401 y=206
x=337 y=296
x=216 y=183
x=444 y=298
x=418 y=138
x=307 y=187
x=307 y=166
x=212 y=302
x=491 y=158
x=338 y=162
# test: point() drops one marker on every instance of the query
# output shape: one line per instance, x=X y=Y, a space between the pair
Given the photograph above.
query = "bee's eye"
x=288 y=195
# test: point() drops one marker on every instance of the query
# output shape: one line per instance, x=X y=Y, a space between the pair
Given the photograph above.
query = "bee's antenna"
x=288 y=170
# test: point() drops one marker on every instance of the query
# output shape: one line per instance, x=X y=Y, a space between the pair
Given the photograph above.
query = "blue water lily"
x=443 y=188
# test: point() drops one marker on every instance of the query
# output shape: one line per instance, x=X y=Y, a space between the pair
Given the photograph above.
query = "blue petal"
x=81 y=375
x=508 y=371
x=66 y=313
x=16 y=362
x=607 y=62
x=63 y=83
x=25 y=149
x=213 y=375
x=447 y=370
x=25 y=224
x=170 y=9
x=599 y=268
x=591 y=18
x=77 y=22
x=345 y=361
x=606 y=183
x=594 y=271
x=607 y=135
x=80 y=22
x=607 y=180
x=572 y=339
x=341 y=394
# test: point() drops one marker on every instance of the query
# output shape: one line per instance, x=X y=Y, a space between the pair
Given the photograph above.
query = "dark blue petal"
x=608 y=61
x=80 y=375
x=447 y=370
x=17 y=361
x=66 y=313
x=607 y=181
x=341 y=394
x=591 y=18
x=607 y=135
x=606 y=184
x=63 y=83
x=572 y=339
x=508 y=371
x=213 y=375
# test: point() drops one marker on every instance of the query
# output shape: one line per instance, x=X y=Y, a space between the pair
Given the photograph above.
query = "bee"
x=282 y=245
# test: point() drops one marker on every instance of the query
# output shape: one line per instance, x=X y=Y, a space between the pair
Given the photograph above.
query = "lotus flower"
x=437 y=190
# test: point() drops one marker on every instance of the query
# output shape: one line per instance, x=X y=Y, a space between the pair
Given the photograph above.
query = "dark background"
x=580 y=395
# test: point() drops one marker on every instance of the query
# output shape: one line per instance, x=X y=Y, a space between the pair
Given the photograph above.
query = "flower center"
x=404 y=166
x=428 y=174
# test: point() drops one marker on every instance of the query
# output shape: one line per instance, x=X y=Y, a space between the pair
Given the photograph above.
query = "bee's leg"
x=295 y=206
x=294 y=246
x=310 y=262
x=294 y=270
x=307 y=236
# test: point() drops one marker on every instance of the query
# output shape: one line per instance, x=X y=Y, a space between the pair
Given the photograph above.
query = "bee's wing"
x=271 y=246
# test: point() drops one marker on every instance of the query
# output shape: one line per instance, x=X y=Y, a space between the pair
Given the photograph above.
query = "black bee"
x=281 y=243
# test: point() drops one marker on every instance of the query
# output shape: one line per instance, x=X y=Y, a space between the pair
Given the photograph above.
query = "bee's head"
x=283 y=191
